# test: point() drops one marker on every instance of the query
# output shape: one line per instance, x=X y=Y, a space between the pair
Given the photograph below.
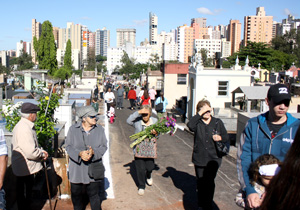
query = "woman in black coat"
x=207 y=130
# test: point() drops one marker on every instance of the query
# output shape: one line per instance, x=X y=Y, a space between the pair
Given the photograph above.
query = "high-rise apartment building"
x=125 y=35
x=212 y=46
x=200 y=21
x=62 y=39
x=56 y=35
x=36 y=29
x=85 y=45
x=23 y=47
x=153 y=20
x=4 y=61
x=234 y=35
x=102 y=41
x=185 y=43
x=258 y=28
x=73 y=32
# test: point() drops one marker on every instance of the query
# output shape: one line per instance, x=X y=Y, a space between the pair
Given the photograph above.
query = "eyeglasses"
x=92 y=117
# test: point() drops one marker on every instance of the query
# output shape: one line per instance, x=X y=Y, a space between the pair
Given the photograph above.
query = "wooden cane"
x=48 y=188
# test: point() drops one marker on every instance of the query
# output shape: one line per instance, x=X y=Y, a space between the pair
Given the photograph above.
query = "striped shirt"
x=3 y=146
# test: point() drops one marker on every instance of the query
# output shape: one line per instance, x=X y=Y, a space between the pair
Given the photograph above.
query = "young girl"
x=111 y=113
x=262 y=171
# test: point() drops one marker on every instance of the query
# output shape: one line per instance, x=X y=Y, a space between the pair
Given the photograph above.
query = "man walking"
x=270 y=133
x=26 y=155
x=3 y=166
x=120 y=96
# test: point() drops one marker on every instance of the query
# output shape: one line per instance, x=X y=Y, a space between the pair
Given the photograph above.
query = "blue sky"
x=16 y=15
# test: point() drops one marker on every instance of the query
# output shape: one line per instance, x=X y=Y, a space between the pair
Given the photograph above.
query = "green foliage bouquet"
x=163 y=126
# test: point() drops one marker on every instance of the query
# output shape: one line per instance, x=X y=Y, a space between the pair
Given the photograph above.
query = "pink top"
x=152 y=94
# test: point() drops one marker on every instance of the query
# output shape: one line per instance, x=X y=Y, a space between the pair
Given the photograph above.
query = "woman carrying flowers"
x=207 y=130
x=144 y=152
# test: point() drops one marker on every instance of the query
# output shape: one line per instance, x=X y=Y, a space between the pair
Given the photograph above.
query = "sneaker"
x=117 y=107
x=141 y=192
x=150 y=181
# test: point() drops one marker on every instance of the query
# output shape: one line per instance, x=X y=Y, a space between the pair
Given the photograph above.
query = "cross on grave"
x=266 y=75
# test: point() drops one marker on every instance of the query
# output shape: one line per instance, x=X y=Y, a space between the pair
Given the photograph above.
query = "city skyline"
x=129 y=14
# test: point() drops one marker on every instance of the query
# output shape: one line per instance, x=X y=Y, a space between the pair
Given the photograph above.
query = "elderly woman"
x=207 y=130
x=85 y=144
x=143 y=164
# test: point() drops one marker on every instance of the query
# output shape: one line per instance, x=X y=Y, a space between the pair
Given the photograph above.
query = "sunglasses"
x=92 y=117
x=145 y=115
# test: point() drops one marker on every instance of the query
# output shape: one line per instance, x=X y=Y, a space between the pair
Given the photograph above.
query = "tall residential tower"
x=153 y=20
x=258 y=28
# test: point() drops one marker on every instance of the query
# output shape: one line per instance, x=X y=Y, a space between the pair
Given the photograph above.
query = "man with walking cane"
x=26 y=154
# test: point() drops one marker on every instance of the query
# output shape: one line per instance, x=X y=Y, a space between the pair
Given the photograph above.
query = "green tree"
x=68 y=56
x=100 y=58
x=101 y=68
x=4 y=69
x=45 y=48
x=24 y=61
x=127 y=65
x=91 y=60
x=154 y=62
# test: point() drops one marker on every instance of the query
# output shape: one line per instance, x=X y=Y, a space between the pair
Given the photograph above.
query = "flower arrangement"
x=11 y=114
x=163 y=126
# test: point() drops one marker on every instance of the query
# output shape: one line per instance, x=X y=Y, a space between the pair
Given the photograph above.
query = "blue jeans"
x=2 y=199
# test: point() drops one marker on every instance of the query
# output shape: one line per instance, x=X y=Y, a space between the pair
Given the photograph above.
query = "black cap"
x=28 y=108
x=278 y=93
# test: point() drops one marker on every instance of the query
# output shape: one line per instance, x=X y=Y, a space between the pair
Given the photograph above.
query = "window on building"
x=223 y=88
x=181 y=79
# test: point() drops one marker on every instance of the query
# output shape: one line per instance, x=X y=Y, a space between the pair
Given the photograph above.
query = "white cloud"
x=85 y=18
x=206 y=11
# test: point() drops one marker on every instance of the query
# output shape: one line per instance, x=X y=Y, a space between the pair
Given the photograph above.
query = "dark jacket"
x=204 y=146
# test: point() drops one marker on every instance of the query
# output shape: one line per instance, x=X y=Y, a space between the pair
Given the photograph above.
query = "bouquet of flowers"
x=163 y=126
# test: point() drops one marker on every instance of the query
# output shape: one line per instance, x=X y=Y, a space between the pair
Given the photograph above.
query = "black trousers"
x=206 y=183
x=152 y=103
x=131 y=103
x=24 y=191
x=144 y=167
x=79 y=191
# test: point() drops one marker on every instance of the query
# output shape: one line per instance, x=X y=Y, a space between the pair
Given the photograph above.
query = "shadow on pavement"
x=132 y=171
x=186 y=183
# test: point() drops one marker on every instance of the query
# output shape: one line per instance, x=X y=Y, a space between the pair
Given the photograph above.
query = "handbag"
x=221 y=147
x=146 y=149
x=96 y=170
x=159 y=107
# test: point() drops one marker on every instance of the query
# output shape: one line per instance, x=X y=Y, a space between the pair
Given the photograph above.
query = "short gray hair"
x=147 y=106
x=24 y=115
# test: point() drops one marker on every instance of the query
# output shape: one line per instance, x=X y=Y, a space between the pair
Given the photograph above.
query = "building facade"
x=212 y=46
x=125 y=35
x=258 y=28
x=153 y=21
x=36 y=30
x=234 y=35
x=102 y=41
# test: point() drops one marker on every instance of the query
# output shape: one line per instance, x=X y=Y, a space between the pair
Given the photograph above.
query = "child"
x=262 y=171
x=111 y=112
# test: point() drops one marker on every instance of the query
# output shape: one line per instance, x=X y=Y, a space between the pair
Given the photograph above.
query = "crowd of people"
x=267 y=159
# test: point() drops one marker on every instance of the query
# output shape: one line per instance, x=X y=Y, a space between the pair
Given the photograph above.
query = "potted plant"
x=241 y=102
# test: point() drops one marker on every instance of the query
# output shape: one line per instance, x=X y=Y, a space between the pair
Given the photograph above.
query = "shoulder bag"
x=159 y=107
x=221 y=147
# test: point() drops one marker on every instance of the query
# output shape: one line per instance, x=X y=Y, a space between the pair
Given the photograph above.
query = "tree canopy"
x=24 y=61
x=45 y=48
x=261 y=53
